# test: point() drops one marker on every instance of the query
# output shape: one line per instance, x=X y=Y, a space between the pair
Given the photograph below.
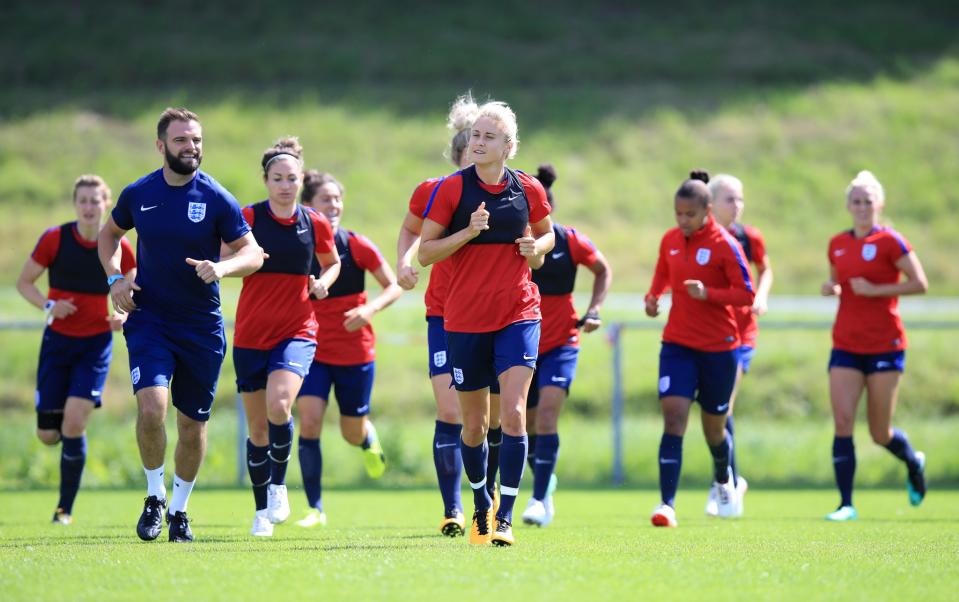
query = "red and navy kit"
x=754 y=247
x=868 y=325
x=713 y=256
x=274 y=302
x=556 y=281
x=439 y=283
x=335 y=345
x=75 y=272
x=490 y=285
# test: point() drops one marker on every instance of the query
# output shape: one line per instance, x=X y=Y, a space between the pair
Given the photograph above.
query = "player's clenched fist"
x=479 y=220
x=208 y=271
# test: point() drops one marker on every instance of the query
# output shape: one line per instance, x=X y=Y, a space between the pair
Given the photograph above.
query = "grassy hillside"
x=622 y=100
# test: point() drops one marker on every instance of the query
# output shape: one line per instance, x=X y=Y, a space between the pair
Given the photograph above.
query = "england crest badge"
x=869 y=251
x=702 y=256
x=196 y=212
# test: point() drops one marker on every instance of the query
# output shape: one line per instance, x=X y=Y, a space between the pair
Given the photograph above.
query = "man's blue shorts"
x=185 y=359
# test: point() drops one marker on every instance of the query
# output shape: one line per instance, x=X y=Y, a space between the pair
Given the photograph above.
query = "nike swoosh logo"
x=142 y=208
x=303 y=231
x=529 y=357
x=558 y=379
x=297 y=364
x=723 y=407
x=840 y=459
x=538 y=461
x=438 y=446
x=668 y=461
x=674 y=251
x=514 y=197
x=207 y=411
x=558 y=255
x=883 y=364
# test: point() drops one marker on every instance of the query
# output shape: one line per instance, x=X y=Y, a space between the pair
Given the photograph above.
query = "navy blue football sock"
x=448 y=460
x=474 y=465
x=531 y=452
x=258 y=465
x=73 y=455
x=844 y=464
x=731 y=427
x=547 y=451
x=494 y=439
x=511 y=464
x=281 y=448
x=900 y=447
x=721 y=455
x=670 y=463
x=311 y=467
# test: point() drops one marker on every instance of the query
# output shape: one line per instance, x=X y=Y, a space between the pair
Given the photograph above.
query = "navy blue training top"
x=173 y=223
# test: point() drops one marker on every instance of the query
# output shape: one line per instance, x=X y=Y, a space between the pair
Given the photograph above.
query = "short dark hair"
x=171 y=114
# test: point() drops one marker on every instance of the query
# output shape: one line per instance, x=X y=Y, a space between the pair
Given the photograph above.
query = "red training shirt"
x=559 y=314
x=490 y=285
x=274 y=307
x=92 y=310
x=713 y=256
x=335 y=345
x=868 y=324
x=439 y=283
x=748 y=324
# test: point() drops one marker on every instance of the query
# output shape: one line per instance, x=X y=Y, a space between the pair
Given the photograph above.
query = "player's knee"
x=353 y=429
x=450 y=415
x=880 y=436
x=474 y=434
x=152 y=414
x=278 y=409
x=259 y=435
x=48 y=436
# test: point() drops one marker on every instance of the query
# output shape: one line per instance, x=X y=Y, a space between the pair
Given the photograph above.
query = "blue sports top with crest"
x=172 y=224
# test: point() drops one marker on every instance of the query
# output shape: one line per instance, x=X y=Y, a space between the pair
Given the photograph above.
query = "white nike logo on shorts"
x=529 y=357
x=207 y=411
x=142 y=208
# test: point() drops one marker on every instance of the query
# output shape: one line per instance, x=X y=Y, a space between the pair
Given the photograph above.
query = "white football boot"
x=277 y=504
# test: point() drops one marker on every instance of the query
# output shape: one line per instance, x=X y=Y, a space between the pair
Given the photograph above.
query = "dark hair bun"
x=699 y=174
x=546 y=174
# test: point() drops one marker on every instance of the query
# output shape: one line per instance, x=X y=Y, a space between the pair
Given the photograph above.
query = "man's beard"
x=179 y=166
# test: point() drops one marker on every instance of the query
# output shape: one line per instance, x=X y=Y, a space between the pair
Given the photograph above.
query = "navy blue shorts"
x=184 y=359
x=253 y=366
x=868 y=363
x=71 y=367
x=436 y=342
x=478 y=358
x=745 y=354
x=555 y=368
x=705 y=376
x=353 y=386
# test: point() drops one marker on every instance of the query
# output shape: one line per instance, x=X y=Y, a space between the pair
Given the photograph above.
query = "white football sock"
x=181 y=494
x=155 y=484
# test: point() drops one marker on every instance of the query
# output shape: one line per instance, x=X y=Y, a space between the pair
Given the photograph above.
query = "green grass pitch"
x=384 y=545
